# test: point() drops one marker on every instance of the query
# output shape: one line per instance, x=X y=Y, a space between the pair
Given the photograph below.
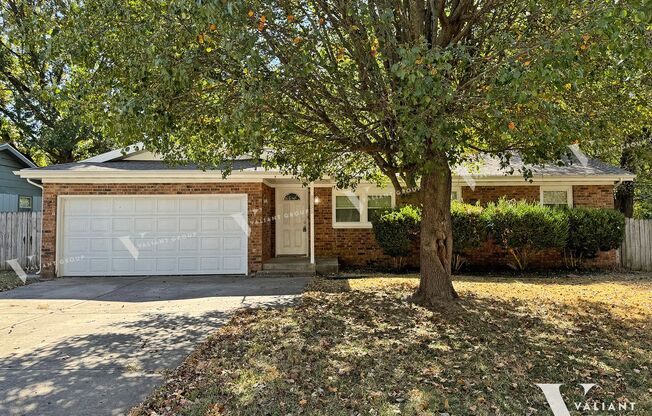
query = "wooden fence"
x=20 y=238
x=636 y=251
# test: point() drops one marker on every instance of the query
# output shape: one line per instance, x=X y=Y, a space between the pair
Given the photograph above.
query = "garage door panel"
x=167 y=205
x=189 y=206
x=101 y=206
x=232 y=205
x=101 y=225
x=211 y=224
x=99 y=266
x=167 y=224
x=156 y=234
x=99 y=245
x=209 y=243
x=209 y=206
x=188 y=264
x=232 y=223
x=123 y=206
x=231 y=263
x=188 y=225
x=122 y=264
x=78 y=206
x=144 y=224
x=122 y=225
x=233 y=243
x=77 y=225
x=189 y=244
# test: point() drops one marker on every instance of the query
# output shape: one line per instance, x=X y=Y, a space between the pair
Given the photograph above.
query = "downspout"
x=40 y=251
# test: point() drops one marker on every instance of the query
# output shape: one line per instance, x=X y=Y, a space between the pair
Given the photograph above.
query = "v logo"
x=556 y=401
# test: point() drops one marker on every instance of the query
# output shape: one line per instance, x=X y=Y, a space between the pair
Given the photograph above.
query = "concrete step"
x=281 y=273
x=290 y=267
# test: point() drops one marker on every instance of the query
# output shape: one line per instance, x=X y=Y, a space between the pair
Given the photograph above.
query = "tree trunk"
x=435 y=285
x=625 y=199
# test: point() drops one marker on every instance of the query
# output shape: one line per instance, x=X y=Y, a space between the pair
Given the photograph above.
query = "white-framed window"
x=24 y=203
x=556 y=196
x=456 y=193
x=355 y=209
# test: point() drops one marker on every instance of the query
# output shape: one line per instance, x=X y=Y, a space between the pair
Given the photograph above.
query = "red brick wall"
x=358 y=247
x=352 y=246
x=254 y=193
x=486 y=194
x=269 y=222
x=598 y=196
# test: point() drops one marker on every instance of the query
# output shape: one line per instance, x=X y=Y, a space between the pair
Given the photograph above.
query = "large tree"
x=40 y=91
x=350 y=88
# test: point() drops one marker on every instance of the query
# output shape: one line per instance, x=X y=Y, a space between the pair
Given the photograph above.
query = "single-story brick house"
x=127 y=212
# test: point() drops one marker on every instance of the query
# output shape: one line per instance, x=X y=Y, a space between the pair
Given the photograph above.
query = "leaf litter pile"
x=352 y=347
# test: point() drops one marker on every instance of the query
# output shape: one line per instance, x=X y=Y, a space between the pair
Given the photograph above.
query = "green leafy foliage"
x=42 y=93
x=347 y=89
x=469 y=230
x=591 y=230
x=469 y=226
x=396 y=231
x=525 y=228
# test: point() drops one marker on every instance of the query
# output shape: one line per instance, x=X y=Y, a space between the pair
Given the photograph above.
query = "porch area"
x=298 y=266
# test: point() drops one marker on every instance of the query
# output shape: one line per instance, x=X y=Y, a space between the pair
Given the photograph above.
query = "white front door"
x=291 y=221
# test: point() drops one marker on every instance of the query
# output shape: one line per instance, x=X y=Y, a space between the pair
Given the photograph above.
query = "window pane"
x=347 y=208
x=377 y=204
x=292 y=197
x=380 y=201
x=25 y=202
x=555 y=198
x=347 y=215
x=454 y=195
x=351 y=201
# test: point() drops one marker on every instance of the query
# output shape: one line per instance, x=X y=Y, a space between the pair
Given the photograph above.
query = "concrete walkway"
x=97 y=346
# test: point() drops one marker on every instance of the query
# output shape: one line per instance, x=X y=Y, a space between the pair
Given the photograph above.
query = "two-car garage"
x=111 y=235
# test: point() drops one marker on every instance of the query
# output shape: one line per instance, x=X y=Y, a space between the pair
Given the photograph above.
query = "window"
x=357 y=209
x=556 y=196
x=377 y=204
x=456 y=193
x=347 y=208
x=292 y=197
x=24 y=203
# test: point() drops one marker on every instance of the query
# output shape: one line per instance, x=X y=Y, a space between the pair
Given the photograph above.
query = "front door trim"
x=281 y=192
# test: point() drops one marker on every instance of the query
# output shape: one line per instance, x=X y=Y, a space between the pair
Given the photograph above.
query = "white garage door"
x=153 y=235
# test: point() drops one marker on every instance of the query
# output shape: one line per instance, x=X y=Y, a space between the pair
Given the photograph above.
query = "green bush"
x=524 y=229
x=396 y=230
x=469 y=230
x=591 y=230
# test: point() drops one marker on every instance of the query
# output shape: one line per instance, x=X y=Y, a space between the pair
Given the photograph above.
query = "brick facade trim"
x=259 y=243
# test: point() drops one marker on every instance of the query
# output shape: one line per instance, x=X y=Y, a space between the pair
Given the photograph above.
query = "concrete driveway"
x=97 y=346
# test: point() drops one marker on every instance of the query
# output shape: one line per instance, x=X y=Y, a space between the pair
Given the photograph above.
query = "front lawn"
x=357 y=347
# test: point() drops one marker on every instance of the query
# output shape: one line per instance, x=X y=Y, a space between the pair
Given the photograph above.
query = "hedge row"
x=522 y=228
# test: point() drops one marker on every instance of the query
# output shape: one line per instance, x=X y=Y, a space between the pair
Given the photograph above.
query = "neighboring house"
x=16 y=194
x=130 y=213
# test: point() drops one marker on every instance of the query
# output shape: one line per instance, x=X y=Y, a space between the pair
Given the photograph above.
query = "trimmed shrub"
x=396 y=230
x=469 y=230
x=591 y=230
x=523 y=229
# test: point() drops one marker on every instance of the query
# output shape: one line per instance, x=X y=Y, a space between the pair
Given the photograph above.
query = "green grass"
x=357 y=346
x=9 y=280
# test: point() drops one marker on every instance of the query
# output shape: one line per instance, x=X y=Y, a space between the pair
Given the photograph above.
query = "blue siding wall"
x=11 y=186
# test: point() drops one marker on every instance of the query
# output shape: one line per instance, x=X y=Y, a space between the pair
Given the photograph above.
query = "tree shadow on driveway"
x=117 y=355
